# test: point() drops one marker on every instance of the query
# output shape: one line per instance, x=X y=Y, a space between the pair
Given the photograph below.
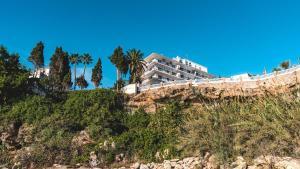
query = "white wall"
x=130 y=89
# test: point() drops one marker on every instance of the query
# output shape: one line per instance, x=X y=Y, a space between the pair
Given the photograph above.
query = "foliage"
x=31 y=110
x=249 y=128
x=119 y=84
x=13 y=77
x=59 y=76
x=136 y=65
x=75 y=59
x=97 y=73
x=276 y=69
x=120 y=61
x=152 y=134
x=81 y=82
x=285 y=65
x=37 y=56
x=86 y=59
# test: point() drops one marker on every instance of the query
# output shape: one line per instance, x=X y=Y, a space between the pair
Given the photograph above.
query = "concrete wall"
x=130 y=89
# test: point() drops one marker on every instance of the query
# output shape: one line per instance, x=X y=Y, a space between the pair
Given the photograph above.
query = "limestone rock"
x=94 y=162
x=167 y=165
x=135 y=166
x=240 y=163
x=143 y=166
x=82 y=138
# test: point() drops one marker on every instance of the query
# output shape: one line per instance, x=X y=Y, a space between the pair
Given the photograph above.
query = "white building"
x=244 y=76
x=40 y=72
x=161 y=69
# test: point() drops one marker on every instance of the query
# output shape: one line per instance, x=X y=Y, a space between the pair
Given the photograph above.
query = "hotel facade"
x=160 y=69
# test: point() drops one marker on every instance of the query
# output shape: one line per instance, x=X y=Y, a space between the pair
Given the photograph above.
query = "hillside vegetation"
x=47 y=128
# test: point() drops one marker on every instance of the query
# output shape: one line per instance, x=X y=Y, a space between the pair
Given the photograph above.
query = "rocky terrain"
x=276 y=84
x=208 y=162
x=18 y=135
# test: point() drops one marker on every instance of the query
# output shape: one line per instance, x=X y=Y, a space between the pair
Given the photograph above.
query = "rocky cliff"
x=276 y=84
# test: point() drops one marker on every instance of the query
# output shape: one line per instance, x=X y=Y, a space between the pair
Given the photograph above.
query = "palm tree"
x=75 y=60
x=120 y=61
x=136 y=65
x=86 y=60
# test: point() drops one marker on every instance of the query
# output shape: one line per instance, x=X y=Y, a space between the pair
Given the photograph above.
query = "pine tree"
x=67 y=82
x=60 y=70
x=37 y=56
x=97 y=73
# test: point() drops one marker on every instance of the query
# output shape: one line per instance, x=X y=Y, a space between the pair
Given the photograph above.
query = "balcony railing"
x=191 y=75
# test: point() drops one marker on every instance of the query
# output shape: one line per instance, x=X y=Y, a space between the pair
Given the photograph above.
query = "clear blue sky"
x=227 y=36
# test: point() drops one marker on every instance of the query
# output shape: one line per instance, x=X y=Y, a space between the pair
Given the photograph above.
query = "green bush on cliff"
x=149 y=134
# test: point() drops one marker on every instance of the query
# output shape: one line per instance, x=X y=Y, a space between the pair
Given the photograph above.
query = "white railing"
x=220 y=80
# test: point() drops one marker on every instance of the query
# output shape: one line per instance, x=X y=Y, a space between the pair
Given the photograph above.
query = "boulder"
x=167 y=166
x=240 y=163
x=212 y=162
x=144 y=166
x=82 y=138
x=94 y=162
x=135 y=166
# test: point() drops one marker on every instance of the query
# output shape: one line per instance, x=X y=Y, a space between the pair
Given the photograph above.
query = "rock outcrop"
x=207 y=162
x=211 y=162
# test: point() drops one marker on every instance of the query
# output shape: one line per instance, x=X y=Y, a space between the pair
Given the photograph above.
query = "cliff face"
x=275 y=84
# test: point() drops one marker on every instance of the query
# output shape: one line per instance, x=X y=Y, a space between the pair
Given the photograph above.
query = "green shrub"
x=30 y=110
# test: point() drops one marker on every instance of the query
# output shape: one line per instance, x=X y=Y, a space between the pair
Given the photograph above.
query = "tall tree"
x=136 y=65
x=60 y=70
x=119 y=60
x=37 y=56
x=75 y=59
x=97 y=73
x=86 y=60
x=14 y=80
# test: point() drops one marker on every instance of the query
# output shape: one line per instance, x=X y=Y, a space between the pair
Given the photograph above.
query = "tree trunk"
x=75 y=76
x=84 y=69
x=118 y=78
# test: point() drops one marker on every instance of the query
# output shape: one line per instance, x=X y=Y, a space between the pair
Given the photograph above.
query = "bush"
x=249 y=128
x=30 y=110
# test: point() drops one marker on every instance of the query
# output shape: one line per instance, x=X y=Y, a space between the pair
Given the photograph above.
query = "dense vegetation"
x=226 y=128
